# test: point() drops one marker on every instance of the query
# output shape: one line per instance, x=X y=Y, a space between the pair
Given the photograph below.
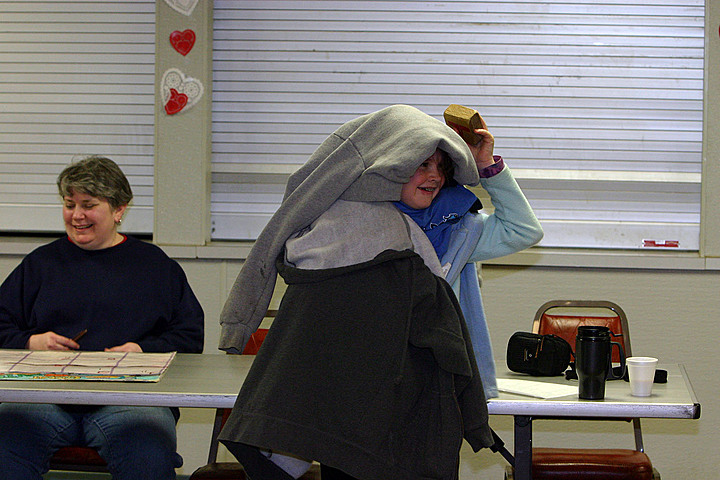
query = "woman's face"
x=90 y=222
x=425 y=184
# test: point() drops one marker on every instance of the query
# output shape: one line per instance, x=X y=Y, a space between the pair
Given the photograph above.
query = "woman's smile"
x=91 y=222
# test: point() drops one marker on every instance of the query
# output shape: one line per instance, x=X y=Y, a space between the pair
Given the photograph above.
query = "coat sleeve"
x=512 y=227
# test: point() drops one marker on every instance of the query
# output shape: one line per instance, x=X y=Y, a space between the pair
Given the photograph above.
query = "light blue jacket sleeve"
x=512 y=227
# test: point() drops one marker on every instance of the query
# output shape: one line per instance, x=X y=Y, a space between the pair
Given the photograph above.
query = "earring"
x=118 y=221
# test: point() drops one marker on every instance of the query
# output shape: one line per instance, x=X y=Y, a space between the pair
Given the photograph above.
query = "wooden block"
x=465 y=120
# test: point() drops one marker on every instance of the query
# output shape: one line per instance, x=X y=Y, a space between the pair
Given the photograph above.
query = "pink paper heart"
x=182 y=42
x=176 y=102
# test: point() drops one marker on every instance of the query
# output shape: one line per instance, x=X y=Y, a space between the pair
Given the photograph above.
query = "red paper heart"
x=183 y=41
x=176 y=102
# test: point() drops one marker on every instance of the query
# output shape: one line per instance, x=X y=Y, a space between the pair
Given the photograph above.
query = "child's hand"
x=483 y=151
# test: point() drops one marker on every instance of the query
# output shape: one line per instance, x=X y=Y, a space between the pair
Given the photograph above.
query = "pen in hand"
x=80 y=334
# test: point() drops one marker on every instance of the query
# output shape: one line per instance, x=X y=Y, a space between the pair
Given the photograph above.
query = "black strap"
x=660 y=374
x=499 y=446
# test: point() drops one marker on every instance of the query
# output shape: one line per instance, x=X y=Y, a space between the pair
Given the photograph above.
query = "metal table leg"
x=523 y=447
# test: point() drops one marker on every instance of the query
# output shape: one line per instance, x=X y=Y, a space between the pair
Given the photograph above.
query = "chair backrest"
x=563 y=317
x=255 y=341
x=257 y=338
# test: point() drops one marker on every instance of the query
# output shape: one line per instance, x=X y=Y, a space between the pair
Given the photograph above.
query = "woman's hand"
x=126 y=347
x=50 y=341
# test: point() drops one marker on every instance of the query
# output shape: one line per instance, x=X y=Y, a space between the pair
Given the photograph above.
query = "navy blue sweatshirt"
x=131 y=292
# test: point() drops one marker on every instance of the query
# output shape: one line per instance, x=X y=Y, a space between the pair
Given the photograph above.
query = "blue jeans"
x=138 y=443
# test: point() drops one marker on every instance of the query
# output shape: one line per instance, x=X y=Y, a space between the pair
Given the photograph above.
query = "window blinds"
x=596 y=106
x=76 y=78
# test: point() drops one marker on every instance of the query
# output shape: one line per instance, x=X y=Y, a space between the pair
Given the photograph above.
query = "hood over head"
x=385 y=148
x=367 y=159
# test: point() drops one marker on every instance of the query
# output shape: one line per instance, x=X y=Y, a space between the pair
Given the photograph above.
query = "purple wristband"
x=494 y=169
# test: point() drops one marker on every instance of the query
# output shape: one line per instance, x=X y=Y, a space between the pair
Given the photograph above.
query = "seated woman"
x=129 y=296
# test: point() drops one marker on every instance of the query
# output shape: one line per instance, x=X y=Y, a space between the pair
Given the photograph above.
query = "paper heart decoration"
x=179 y=92
x=182 y=42
x=185 y=7
x=176 y=102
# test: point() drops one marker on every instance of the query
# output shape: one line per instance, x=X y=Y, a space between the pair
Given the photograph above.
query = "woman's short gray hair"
x=97 y=176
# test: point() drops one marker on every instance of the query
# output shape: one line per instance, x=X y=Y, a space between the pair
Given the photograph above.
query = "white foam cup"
x=641 y=371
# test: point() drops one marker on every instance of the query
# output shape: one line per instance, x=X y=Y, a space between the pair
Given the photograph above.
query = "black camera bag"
x=538 y=355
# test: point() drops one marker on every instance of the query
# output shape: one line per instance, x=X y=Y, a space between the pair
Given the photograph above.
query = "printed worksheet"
x=75 y=365
x=531 y=388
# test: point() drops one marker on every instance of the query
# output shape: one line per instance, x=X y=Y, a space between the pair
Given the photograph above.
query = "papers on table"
x=74 y=365
x=532 y=388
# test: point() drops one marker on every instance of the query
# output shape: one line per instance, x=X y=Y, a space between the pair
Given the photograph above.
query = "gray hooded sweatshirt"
x=367 y=159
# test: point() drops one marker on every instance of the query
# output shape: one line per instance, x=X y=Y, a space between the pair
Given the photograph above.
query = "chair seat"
x=590 y=464
x=77 y=458
x=219 y=471
x=234 y=471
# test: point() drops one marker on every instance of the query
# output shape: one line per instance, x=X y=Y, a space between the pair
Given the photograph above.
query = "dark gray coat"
x=366 y=368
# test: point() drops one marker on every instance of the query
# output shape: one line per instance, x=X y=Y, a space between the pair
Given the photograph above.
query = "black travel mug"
x=593 y=361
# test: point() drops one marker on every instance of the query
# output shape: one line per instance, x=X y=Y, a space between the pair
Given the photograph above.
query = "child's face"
x=425 y=184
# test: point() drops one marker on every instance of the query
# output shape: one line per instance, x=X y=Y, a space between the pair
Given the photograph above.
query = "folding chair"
x=562 y=317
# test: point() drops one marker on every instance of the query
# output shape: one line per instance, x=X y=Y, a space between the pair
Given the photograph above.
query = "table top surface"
x=213 y=381
x=191 y=380
x=674 y=399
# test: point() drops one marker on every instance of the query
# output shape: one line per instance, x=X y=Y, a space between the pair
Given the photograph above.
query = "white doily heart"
x=185 y=7
x=179 y=92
